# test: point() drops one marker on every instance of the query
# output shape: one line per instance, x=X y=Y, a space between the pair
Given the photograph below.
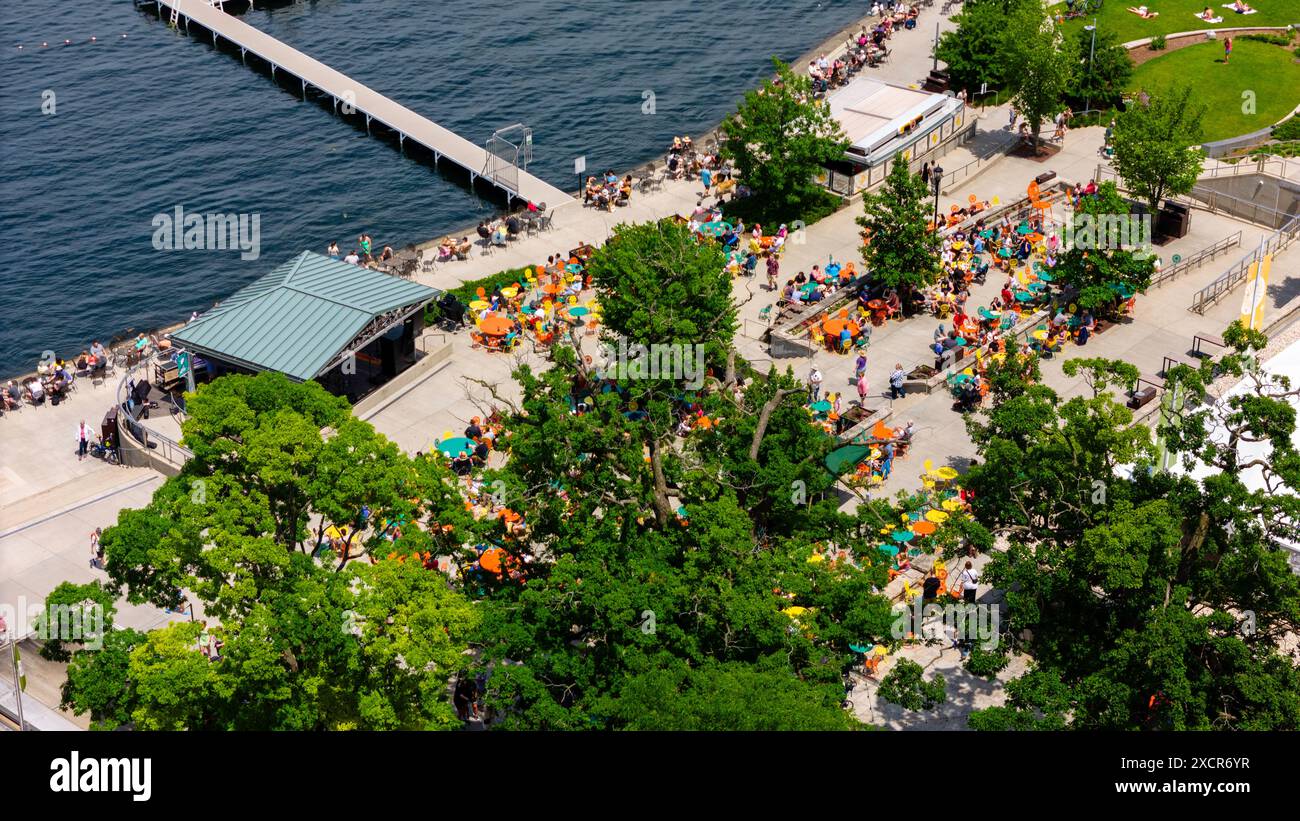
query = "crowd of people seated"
x=607 y=190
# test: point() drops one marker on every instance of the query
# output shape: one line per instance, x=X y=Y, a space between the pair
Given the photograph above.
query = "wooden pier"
x=442 y=143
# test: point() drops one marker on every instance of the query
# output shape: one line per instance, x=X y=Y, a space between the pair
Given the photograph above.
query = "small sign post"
x=579 y=166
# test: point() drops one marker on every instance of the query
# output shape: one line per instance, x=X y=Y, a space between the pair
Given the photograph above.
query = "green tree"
x=1154 y=152
x=779 y=138
x=1103 y=70
x=1135 y=584
x=308 y=643
x=631 y=602
x=1041 y=68
x=975 y=52
x=76 y=614
x=905 y=687
x=729 y=697
x=901 y=250
x=658 y=285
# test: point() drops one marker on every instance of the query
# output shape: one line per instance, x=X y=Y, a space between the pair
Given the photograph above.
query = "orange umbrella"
x=495 y=325
x=491 y=560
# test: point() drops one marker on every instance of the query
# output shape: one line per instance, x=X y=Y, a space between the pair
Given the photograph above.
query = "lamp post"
x=1092 y=50
x=937 y=177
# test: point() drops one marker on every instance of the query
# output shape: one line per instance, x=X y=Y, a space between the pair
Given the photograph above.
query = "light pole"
x=1092 y=50
x=935 y=55
x=937 y=176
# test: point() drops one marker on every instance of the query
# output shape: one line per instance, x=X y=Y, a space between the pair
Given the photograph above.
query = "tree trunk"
x=730 y=378
x=663 y=511
x=764 y=415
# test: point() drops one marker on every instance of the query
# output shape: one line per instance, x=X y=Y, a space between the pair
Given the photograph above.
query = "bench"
x=1213 y=339
x=1171 y=359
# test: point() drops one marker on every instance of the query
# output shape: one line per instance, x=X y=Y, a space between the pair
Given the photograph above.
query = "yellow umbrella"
x=936 y=516
x=816 y=558
x=951 y=504
x=795 y=612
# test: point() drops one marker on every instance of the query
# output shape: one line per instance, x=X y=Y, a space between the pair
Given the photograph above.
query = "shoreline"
x=830 y=46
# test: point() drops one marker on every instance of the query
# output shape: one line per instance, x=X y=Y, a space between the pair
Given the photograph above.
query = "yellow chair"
x=446 y=434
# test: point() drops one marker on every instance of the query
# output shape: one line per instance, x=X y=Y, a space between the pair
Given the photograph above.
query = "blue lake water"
x=155 y=119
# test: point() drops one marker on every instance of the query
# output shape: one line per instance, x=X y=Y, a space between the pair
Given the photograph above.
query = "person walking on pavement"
x=815 y=384
x=83 y=439
x=969 y=579
x=862 y=389
x=896 y=379
x=96 y=550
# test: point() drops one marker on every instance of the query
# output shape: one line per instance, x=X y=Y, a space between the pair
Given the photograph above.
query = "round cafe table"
x=903 y=536
x=820 y=407
x=936 y=516
x=962 y=378
x=495 y=325
x=888 y=549
x=1023 y=229
x=510 y=292
x=579 y=310
x=807 y=288
x=1036 y=287
x=832 y=327
x=924 y=528
x=1005 y=253
x=552 y=288
x=877 y=308
x=951 y=505
x=1040 y=335
x=961 y=340
x=573 y=269
x=715 y=229
x=987 y=233
x=1043 y=276
x=451 y=447
x=947 y=473
x=1024 y=296
x=987 y=314
x=478 y=305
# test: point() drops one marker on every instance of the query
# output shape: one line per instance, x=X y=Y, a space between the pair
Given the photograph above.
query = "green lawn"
x=1179 y=15
x=1266 y=70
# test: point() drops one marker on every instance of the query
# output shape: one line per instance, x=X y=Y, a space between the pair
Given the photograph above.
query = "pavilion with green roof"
x=310 y=316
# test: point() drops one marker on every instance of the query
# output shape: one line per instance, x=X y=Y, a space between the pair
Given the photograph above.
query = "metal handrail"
x=1196 y=259
x=1235 y=275
x=1258 y=166
x=169 y=450
x=998 y=153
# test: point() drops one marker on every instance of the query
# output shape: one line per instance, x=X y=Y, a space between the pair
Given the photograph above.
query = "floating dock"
x=441 y=142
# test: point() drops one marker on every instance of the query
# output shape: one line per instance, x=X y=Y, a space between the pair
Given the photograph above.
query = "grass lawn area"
x=1259 y=67
x=1179 y=15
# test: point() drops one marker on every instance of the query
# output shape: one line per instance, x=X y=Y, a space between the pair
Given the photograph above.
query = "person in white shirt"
x=353 y=258
x=969 y=579
x=84 y=435
x=815 y=384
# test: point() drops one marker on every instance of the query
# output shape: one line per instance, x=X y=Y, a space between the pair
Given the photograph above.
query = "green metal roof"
x=297 y=318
